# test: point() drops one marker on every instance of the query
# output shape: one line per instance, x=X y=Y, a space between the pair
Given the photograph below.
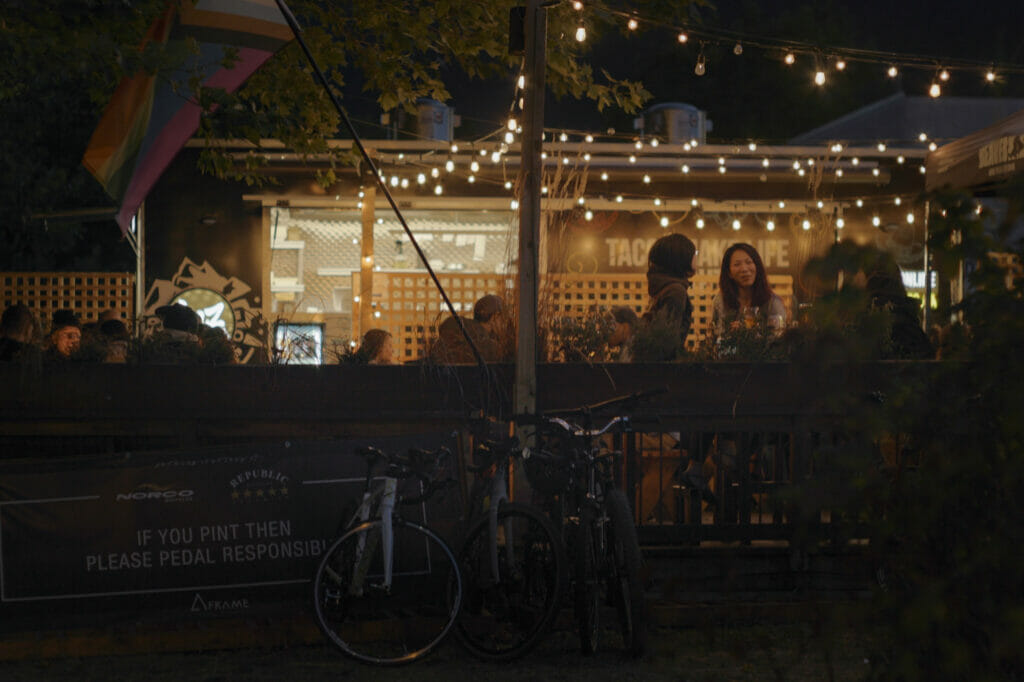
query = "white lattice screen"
x=89 y=294
x=410 y=306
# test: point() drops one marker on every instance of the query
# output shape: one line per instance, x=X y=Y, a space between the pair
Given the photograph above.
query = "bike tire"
x=625 y=584
x=587 y=580
x=380 y=626
x=504 y=619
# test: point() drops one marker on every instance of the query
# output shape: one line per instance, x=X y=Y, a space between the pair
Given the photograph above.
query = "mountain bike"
x=513 y=563
x=599 y=524
x=389 y=590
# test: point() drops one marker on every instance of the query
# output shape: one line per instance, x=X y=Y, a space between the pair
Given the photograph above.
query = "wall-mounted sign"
x=213 y=309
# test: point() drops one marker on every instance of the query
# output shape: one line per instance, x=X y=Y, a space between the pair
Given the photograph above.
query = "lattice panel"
x=410 y=306
x=89 y=294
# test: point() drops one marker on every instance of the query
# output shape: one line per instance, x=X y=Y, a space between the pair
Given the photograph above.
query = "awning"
x=986 y=157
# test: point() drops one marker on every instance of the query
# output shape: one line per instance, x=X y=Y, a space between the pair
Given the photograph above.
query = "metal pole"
x=140 y=266
x=927 y=317
x=525 y=401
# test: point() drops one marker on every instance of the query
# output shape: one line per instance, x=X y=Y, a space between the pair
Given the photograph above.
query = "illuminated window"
x=299 y=344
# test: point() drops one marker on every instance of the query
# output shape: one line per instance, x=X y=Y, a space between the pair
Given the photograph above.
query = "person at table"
x=377 y=348
x=18 y=333
x=626 y=320
x=745 y=300
x=669 y=269
x=65 y=336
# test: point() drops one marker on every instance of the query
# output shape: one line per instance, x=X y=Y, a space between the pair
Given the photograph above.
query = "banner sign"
x=254 y=516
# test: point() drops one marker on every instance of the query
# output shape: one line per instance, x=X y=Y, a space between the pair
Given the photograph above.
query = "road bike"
x=513 y=562
x=389 y=590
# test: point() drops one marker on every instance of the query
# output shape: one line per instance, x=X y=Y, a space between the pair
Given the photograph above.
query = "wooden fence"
x=756 y=425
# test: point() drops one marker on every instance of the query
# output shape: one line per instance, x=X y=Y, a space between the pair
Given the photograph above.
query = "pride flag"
x=146 y=122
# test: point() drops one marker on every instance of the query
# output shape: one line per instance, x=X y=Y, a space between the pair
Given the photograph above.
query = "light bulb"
x=922 y=137
x=647 y=179
x=589 y=138
x=421 y=178
x=934 y=90
x=736 y=224
x=700 y=68
x=790 y=58
x=604 y=176
x=449 y=165
x=682 y=38
x=455 y=149
x=664 y=221
x=474 y=166
x=581 y=34
x=632 y=24
x=471 y=179
x=589 y=215
x=564 y=137
x=685 y=168
x=577 y=5
x=657 y=201
x=893 y=72
x=819 y=77
x=876 y=221
x=840 y=65
x=618 y=199
x=840 y=223
x=521 y=82
x=771 y=225
x=438 y=190
x=944 y=75
x=513 y=204
x=806 y=224
x=700 y=223
x=990 y=76
x=512 y=125
x=510 y=137
x=765 y=162
x=737 y=49
x=434 y=172
x=881 y=146
x=752 y=146
x=910 y=218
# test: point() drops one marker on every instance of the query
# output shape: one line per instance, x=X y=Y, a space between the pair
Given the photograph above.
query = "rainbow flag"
x=146 y=123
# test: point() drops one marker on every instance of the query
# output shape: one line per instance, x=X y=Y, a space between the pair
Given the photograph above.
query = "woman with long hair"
x=377 y=348
x=744 y=298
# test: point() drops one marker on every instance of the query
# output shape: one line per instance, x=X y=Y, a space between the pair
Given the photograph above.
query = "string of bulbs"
x=789 y=52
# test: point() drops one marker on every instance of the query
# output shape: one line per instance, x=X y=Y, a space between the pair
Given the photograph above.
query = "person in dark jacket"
x=17 y=332
x=669 y=269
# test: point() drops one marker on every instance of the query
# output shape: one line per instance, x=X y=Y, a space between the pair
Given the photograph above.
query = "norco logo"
x=167 y=495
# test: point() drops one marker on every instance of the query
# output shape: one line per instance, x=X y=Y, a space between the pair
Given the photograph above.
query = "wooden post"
x=366 y=264
x=531 y=170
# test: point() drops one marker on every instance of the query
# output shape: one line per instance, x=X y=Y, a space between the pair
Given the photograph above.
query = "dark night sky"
x=754 y=95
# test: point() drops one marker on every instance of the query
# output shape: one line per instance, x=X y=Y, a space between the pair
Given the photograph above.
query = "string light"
x=701 y=66
x=819 y=77
x=682 y=38
x=737 y=49
x=770 y=225
x=840 y=64
x=943 y=75
x=806 y=224
x=893 y=71
x=789 y=59
x=632 y=24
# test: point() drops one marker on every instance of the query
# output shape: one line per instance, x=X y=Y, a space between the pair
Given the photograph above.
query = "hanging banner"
x=193 y=522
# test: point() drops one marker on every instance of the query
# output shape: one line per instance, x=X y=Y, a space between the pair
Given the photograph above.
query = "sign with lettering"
x=196 y=523
x=618 y=242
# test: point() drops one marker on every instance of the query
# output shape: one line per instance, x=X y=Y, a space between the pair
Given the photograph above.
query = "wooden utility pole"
x=531 y=170
x=366 y=261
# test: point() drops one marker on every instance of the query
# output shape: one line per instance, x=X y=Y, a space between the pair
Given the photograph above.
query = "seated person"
x=18 y=330
x=178 y=340
x=114 y=335
x=486 y=329
x=626 y=321
x=377 y=348
x=744 y=298
x=65 y=336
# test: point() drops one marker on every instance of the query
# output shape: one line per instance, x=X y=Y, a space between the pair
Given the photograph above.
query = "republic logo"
x=259 y=485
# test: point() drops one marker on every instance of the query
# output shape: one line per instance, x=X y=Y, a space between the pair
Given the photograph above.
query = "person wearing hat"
x=65 y=336
x=669 y=269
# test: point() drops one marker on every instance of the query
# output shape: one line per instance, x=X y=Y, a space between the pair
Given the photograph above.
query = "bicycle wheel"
x=625 y=585
x=505 y=616
x=376 y=624
x=588 y=596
